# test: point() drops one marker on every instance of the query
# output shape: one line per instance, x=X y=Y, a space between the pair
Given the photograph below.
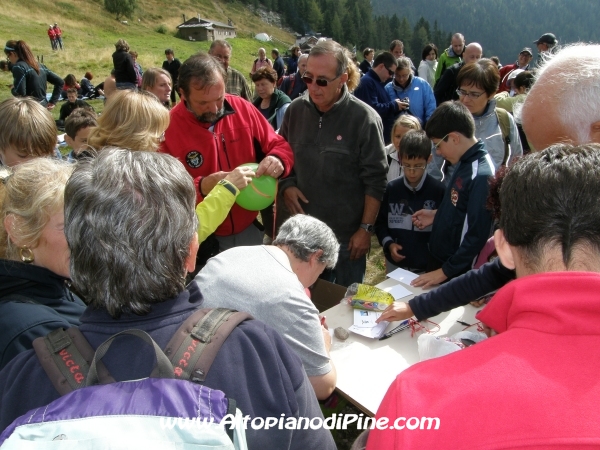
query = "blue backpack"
x=165 y=411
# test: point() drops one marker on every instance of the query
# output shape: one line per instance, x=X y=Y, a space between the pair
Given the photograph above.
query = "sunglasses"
x=319 y=81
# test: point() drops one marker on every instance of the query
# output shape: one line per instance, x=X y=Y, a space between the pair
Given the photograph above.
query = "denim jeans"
x=346 y=271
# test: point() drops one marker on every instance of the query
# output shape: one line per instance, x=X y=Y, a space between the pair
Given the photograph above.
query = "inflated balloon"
x=259 y=193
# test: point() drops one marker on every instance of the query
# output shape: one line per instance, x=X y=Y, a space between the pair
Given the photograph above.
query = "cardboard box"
x=326 y=295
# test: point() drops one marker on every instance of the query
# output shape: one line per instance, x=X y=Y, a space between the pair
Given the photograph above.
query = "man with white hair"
x=340 y=164
x=269 y=282
x=445 y=88
x=564 y=103
x=293 y=85
x=561 y=107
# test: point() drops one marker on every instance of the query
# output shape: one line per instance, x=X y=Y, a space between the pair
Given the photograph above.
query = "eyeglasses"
x=435 y=146
x=390 y=72
x=473 y=95
x=413 y=169
x=319 y=81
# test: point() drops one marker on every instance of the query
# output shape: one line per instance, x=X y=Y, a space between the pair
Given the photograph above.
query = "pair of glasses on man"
x=319 y=81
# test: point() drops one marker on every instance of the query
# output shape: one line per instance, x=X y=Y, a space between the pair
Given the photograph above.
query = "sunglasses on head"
x=319 y=81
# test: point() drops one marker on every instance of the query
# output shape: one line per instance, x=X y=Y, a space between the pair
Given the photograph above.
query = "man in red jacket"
x=212 y=133
x=522 y=63
x=535 y=383
x=52 y=36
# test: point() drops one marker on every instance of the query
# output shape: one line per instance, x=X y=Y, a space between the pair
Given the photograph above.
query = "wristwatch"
x=369 y=227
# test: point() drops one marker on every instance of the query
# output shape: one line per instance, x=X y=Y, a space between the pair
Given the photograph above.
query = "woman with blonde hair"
x=403 y=125
x=34 y=265
x=159 y=82
x=135 y=120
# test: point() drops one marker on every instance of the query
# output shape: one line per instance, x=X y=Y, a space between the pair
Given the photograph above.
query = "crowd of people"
x=138 y=227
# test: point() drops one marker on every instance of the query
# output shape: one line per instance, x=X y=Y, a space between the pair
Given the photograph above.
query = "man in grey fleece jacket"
x=340 y=165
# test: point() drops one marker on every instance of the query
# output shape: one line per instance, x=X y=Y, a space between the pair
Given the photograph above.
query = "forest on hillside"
x=352 y=23
x=504 y=27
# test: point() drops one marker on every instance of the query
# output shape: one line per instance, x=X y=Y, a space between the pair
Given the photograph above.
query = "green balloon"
x=259 y=193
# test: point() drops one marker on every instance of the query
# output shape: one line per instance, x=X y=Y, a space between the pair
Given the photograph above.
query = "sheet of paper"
x=404 y=276
x=364 y=324
x=398 y=291
x=374 y=333
x=365 y=319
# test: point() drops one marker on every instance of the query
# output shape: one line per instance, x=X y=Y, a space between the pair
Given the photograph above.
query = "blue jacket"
x=461 y=290
x=462 y=224
x=372 y=91
x=422 y=100
x=394 y=221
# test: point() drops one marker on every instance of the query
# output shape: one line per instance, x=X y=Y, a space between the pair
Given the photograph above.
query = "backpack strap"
x=194 y=346
x=292 y=83
x=504 y=121
x=65 y=357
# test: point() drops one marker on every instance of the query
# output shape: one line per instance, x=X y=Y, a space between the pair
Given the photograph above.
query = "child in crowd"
x=405 y=245
x=29 y=131
x=77 y=127
x=403 y=124
x=71 y=105
x=462 y=224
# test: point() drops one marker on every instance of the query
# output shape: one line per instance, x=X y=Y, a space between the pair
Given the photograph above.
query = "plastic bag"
x=371 y=298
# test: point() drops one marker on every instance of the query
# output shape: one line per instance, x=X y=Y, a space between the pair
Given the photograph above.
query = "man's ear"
x=314 y=258
x=595 y=132
x=190 y=260
x=344 y=77
x=504 y=250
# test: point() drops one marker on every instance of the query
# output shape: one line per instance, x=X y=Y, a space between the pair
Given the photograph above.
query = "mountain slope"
x=90 y=32
x=503 y=27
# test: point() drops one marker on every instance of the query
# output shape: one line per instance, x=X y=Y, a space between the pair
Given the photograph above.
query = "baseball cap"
x=514 y=74
x=547 y=38
x=526 y=50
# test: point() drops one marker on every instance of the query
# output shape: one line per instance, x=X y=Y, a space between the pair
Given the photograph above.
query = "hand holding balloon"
x=259 y=193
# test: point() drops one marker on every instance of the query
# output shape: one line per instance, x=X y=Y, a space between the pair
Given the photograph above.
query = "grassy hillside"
x=89 y=33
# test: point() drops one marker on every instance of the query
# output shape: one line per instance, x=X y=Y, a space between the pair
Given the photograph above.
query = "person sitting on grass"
x=77 y=127
x=31 y=134
x=405 y=245
x=461 y=225
x=71 y=105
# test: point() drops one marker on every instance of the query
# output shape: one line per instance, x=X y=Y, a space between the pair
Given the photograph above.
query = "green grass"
x=90 y=32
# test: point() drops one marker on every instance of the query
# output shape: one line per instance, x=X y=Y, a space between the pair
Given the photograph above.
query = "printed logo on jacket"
x=194 y=159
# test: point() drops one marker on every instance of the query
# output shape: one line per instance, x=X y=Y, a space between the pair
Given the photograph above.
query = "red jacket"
x=535 y=385
x=241 y=136
x=504 y=73
x=51 y=33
